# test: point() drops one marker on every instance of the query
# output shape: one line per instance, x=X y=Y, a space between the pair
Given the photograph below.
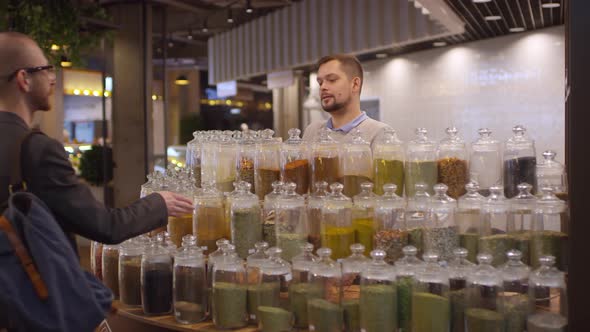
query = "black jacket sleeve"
x=50 y=176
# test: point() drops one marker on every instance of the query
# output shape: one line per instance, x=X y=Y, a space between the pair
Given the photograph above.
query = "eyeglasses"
x=30 y=70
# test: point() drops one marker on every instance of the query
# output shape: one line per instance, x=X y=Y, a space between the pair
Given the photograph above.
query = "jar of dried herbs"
x=468 y=218
x=315 y=202
x=378 y=295
x=421 y=165
x=230 y=291
x=452 y=163
x=245 y=159
x=269 y=216
x=110 y=268
x=337 y=231
x=130 y=272
x=266 y=163
x=357 y=164
x=485 y=307
x=352 y=266
x=406 y=269
x=291 y=221
x=294 y=162
x=520 y=162
x=189 y=283
x=246 y=223
x=156 y=280
x=459 y=269
x=324 y=159
x=208 y=217
x=441 y=235
x=549 y=236
x=325 y=312
x=417 y=217
x=390 y=230
x=388 y=162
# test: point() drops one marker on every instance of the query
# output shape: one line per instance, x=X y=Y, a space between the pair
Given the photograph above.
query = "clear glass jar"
x=520 y=219
x=352 y=266
x=96 y=259
x=452 y=163
x=391 y=234
x=227 y=198
x=291 y=221
x=484 y=310
x=406 y=269
x=156 y=280
x=485 y=162
x=325 y=312
x=246 y=223
x=266 y=163
x=417 y=217
x=551 y=173
x=515 y=275
x=356 y=164
x=337 y=231
x=130 y=254
x=300 y=289
x=378 y=295
x=193 y=156
x=459 y=270
x=254 y=264
x=550 y=225
x=388 y=162
x=110 y=268
x=208 y=163
x=245 y=159
x=294 y=162
x=225 y=159
x=324 y=159
x=493 y=238
x=315 y=202
x=190 y=283
x=520 y=162
x=208 y=217
x=420 y=166
x=183 y=225
x=229 y=291
x=148 y=187
x=468 y=217
x=269 y=216
x=547 y=290
x=441 y=234
x=430 y=297
x=363 y=216
x=211 y=260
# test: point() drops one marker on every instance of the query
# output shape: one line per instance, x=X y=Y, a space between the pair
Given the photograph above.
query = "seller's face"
x=335 y=87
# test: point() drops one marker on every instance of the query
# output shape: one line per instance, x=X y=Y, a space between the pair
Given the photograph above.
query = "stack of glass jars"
x=485 y=162
x=337 y=231
x=430 y=297
x=468 y=218
x=452 y=163
x=421 y=165
x=440 y=234
x=291 y=222
x=246 y=223
x=324 y=159
x=324 y=310
x=266 y=163
x=300 y=290
x=391 y=234
x=208 y=217
x=315 y=202
x=388 y=162
x=520 y=162
x=356 y=164
x=156 y=280
x=294 y=162
x=229 y=294
x=269 y=216
x=190 y=286
x=363 y=216
x=378 y=295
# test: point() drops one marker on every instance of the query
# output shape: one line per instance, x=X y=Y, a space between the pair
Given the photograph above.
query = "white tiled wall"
x=495 y=83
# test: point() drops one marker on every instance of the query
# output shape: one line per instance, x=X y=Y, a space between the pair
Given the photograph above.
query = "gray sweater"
x=370 y=130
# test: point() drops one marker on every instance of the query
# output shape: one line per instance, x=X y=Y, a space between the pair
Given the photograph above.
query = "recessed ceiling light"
x=439 y=44
x=381 y=55
x=481 y=1
x=517 y=29
x=550 y=5
x=493 y=18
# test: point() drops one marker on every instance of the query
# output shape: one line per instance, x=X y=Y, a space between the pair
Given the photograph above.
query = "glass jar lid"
x=357 y=261
x=519 y=141
x=549 y=203
x=377 y=268
x=547 y=275
x=305 y=259
x=452 y=142
x=431 y=271
x=496 y=202
x=409 y=264
x=275 y=265
x=472 y=200
x=325 y=266
x=524 y=200
x=484 y=273
x=366 y=198
x=259 y=255
x=460 y=267
x=421 y=143
x=514 y=269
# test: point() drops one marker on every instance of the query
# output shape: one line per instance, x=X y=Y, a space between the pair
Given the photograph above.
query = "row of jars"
x=260 y=159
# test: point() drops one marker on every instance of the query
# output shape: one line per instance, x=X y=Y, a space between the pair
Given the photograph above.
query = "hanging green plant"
x=91 y=165
x=56 y=22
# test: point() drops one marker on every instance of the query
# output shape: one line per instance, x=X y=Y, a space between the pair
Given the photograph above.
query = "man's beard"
x=41 y=102
x=334 y=107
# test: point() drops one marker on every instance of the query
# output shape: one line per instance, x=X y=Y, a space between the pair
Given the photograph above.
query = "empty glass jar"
x=551 y=173
x=547 y=290
x=421 y=165
x=388 y=162
x=337 y=231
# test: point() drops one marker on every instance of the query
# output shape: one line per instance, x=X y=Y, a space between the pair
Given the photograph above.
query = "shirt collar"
x=13 y=118
x=349 y=126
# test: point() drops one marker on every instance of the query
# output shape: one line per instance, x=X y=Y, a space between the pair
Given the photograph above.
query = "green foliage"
x=91 y=165
x=55 y=22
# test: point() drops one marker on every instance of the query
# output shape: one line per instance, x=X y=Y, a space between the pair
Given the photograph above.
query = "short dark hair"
x=350 y=65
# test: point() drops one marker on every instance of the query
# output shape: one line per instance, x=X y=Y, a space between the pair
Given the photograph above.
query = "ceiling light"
x=76 y=92
x=550 y=5
x=439 y=44
x=170 y=44
x=517 y=29
x=86 y=92
x=181 y=80
x=249 y=8
x=481 y=1
x=230 y=18
x=205 y=30
x=96 y=93
x=493 y=18
x=381 y=55
x=190 y=35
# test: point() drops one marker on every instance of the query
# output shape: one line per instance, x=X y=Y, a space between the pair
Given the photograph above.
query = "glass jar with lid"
x=130 y=254
x=551 y=173
x=208 y=164
x=246 y=223
x=485 y=161
x=156 y=280
x=337 y=231
x=266 y=163
x=227 y=198
x=291 y=221
x=208 y=217
x=229 y=291
x=189 y=280
x=356 y=164
x=294 y=162
x=418 y=217
x=269 y=216
x=547 y=290
x=420 y=166
x=452 y=163
x=468 y=218
x=391 y=234
x=493 y=237
x=459 y=269
x=254 y=263
x=183 y=225
x=406 y=269
x=440 y=234
x=515 y=275
x=96 y=259
x=245 y=159
x=388 y=162
x=378 y=295
x=300 y=289
x=225 y=159
x=325 y=312
x=324 y=159
x=484 y=310
x=193 y=156
x=352 y=266
x=110 y=267
x=211 y=260
x=430 y=297
x=315 y=202
x=520 y=219
x=148 y=187
x=363 y=215
x=520 y=162
x=549 y=231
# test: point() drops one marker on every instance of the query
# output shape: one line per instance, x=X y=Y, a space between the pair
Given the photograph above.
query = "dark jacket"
x=50 y=176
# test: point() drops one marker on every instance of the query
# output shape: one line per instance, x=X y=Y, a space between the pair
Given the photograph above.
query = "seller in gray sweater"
x=340 y=78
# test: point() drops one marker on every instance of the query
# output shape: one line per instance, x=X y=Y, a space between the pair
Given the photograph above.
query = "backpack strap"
x=16 y=182
x=24 y=257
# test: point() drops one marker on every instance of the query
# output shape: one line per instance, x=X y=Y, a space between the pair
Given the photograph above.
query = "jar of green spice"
x=420 y=165
x=325 y=313
x=363 y=216
x=549 y=236
x=388 y=162
x=378 y=296
x=485 y=305
x=406 y=269
x=229 y=293
x=468 y=219
x=431 y=310
x=246 y=223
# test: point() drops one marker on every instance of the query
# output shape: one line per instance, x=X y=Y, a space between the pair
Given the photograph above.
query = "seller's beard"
x=334 y=107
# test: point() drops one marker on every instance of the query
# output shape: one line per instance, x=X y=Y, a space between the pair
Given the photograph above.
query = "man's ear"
x=22 y=80
x=356 y=84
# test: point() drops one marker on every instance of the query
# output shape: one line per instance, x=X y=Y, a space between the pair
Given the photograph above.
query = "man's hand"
x=176 y=204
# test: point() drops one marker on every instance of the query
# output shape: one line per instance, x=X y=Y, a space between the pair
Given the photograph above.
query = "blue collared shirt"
x=349 y=126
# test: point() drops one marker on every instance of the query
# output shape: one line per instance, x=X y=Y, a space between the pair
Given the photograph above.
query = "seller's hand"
x=177 y=205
